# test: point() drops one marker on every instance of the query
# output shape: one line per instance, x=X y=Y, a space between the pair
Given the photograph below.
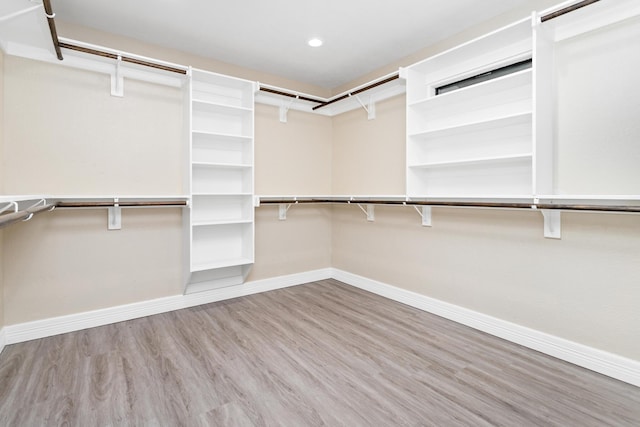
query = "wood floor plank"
x=318 y=354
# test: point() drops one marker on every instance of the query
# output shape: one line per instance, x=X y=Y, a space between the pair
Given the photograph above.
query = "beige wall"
x=294 y=157
x=67 y=135
x=369 y=155
x=67 y=261
x=582 y=288
x=1 y=186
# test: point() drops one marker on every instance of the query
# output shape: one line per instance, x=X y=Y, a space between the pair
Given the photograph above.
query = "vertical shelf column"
x=221 y=181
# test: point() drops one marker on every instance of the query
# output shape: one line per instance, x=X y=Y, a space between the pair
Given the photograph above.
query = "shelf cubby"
x=225 y=208
x=216 y=246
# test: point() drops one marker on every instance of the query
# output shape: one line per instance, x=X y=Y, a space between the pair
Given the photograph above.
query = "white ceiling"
x=359 y=36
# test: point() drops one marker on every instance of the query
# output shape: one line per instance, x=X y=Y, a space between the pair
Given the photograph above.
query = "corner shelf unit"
x=220 y=224
x=476 y=140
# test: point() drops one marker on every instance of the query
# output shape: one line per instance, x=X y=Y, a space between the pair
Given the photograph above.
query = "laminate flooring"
x=323 y=353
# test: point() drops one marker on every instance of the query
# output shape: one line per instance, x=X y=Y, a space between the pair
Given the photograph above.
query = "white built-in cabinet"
x=475 y=141
x=220 y=224
x=523 y=135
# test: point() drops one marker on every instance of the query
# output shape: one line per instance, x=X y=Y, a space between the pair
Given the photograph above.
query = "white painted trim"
x=606 y=363
x=609 y=364
x=2 y=340
x=74 y=322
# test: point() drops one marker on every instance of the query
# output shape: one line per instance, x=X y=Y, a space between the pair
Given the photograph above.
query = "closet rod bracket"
x=369 y=212
x=283 y=208
x=552 y=223
x=115 y=216
x=370 y=109
x=117 y=81
x=425 y=214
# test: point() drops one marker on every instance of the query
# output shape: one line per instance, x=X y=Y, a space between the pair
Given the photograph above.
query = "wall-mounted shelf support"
x=284 y=110
x=8 y=206
x=117 y=80
x=370 y=108
x=425 y=213
x=552 y=223
x=369 y=212
x=115 y=216
x=283 y=208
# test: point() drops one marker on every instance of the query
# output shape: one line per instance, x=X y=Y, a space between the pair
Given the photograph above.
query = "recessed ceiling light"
x=315 y=42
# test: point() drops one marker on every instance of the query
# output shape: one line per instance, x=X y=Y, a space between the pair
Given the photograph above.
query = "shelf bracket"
x=115 y=216
x=369 y=212
x=283 y=208
x=425 y=213
x=117 y=81
x=370 y=109
x=552 y=223
x=9 y=206
x=284 y=110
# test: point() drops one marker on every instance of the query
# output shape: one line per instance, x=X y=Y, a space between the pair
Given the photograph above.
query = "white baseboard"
x=609 y=364
x=58 y=325
x=2 y=339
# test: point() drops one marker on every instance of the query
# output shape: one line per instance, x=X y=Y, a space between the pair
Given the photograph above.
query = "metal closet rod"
x=26 y=214
x=501 y=205
x=567 y=9
x=52 y=27
x=355 y=92
x=291 y=95
x=124 y=204
x=121 y=57
x=8 y=219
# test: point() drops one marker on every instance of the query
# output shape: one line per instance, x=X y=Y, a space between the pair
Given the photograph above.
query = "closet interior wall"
x=292 y=158
x=581 y=288
x=68 y=256
x=1 y=190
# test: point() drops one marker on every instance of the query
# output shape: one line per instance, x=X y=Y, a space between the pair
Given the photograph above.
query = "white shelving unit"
x=477 y=140
x=220 y=226
x=587 y=63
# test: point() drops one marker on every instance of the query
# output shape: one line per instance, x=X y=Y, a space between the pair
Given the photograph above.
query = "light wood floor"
x=317 y=354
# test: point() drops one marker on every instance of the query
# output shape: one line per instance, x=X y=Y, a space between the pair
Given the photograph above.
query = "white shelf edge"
x=422 y=103
x=221 y=135
x=233 y=262
x=221 y=194
x=471 y=125
x=220 y=106
x=216 y=223
x=222 y=165
x=474 y=161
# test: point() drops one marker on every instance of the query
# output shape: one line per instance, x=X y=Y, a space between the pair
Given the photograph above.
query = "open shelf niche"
x=476 y=140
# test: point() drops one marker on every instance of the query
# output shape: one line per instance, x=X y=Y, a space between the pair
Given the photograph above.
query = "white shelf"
x=476 y=126
x=488 y=88
x=215 y=107
x=475 y=161
x=231 y=262
x=213 y=223
x=222 y=136
x=221 y=194
x=221 y=165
